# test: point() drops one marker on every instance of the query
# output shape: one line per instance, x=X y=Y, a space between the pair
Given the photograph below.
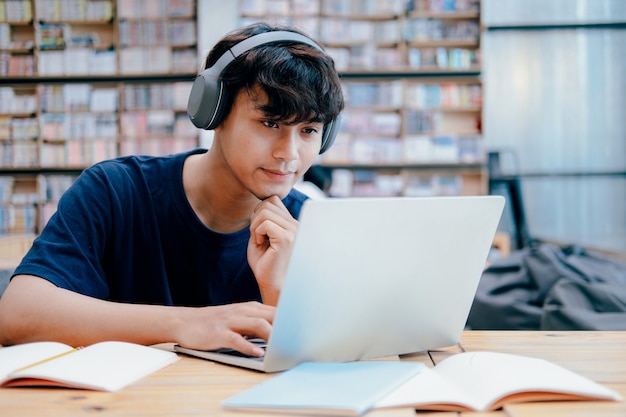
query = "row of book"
x=438 y=121
x=157 y=60
x=51 y=35
x=77 y=97
x=6 y=189
x=444 y=5
x=8 y=42
x=74 y=10
x=157 y=32
x=67 y=126
x=87 y=97
x=444 y=95
x=364 y=7
x=131 y=33
x=366 y=56
x=444 y=149
x=77 y=153
x=370 y=56
x=338 y=30
x=16 y=11
x=62 y=105
x=353 y=7
x=439 y=29
x=5 y=36
x=77 y=61
x=279 y=7
x=92 y=10
x=371 y=123
x=157 y=96
x=366 y=183
x=52 y=186
x=414 y=149
x=12 y=103
x=147 y=123
x=18 y=219
x=423 y=122
x=133 y=60
x=19 y=128
x=157 y=146
x=19 y=154
x=82 y=153
x=317 y=7
x=154 y=9
x=16 y=65
x=444 y=58
x=396 y=94
x=50 y=189
x=386 y=94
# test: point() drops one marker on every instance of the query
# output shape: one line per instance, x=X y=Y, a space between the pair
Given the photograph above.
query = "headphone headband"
x=206 y=100
x=258 y=40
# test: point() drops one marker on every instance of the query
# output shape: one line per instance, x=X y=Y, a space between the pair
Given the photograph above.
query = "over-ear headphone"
x=208 y=94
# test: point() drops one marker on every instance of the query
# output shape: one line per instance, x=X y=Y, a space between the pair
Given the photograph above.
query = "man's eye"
x=270 y=123
x=310 y=130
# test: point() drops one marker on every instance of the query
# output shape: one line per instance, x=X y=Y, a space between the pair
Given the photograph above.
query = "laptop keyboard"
x=259 y=342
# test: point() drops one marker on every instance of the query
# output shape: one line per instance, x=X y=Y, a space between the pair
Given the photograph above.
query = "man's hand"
x=272 y=233
x=227 y=326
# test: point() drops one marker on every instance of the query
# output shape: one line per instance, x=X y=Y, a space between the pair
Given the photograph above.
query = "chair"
x=509 y=185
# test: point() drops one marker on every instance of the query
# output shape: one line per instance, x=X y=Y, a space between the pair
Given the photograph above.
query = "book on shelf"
x=469 y=381
x=18 y=11
x=51 y=35
x=74 y=10
x=105 y=366
x=445 y=5
x=428 y=30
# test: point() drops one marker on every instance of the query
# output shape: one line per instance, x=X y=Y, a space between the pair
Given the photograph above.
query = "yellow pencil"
x=47 y=359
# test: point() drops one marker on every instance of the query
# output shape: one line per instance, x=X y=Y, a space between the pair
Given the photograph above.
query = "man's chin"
x=263 y=195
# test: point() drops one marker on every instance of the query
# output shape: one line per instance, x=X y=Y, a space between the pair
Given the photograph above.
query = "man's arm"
x=33 y=309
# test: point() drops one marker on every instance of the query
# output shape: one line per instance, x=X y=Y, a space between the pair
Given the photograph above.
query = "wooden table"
x=192 y=386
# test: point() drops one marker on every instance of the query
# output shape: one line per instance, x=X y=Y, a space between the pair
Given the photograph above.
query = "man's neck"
x=222 y=208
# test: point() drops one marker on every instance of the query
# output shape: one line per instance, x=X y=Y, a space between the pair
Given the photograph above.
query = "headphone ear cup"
x=330 y=133
x=205 y=104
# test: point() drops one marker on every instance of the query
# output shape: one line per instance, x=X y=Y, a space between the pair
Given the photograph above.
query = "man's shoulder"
x=143 y=162
x=134 y=174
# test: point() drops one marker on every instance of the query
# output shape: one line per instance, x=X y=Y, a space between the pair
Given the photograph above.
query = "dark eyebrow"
x=288 y=120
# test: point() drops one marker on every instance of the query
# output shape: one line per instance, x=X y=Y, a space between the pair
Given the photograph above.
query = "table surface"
x=196 y=387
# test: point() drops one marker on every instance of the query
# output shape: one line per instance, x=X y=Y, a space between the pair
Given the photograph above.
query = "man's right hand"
x=227 y=326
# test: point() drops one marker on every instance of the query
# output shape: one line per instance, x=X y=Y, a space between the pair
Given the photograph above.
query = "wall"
x=555 y=96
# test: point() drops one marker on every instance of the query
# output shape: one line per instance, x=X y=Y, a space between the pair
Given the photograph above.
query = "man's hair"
x=300 y=81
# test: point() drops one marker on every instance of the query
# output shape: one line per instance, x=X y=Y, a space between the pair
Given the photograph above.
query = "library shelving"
x=82 y=81
x=411 y=77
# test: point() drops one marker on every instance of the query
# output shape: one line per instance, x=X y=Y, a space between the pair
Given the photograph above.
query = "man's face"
x=265 y=156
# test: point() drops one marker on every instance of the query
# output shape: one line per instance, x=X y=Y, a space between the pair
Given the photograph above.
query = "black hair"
x=300 y=81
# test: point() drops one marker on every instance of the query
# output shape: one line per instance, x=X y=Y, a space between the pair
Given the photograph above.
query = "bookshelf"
x=411 y=77
x=82 y=81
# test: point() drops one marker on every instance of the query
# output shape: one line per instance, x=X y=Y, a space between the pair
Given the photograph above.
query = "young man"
x=188 y=248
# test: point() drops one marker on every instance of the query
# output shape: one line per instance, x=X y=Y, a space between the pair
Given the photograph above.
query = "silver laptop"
x=374 y=277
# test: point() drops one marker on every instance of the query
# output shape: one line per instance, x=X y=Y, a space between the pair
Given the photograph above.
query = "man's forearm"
x=33 y=309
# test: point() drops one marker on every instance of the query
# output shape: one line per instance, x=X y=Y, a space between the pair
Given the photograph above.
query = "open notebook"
x=374 y=277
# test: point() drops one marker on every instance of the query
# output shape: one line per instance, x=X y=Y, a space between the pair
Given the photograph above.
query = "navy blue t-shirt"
x=126 y=232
